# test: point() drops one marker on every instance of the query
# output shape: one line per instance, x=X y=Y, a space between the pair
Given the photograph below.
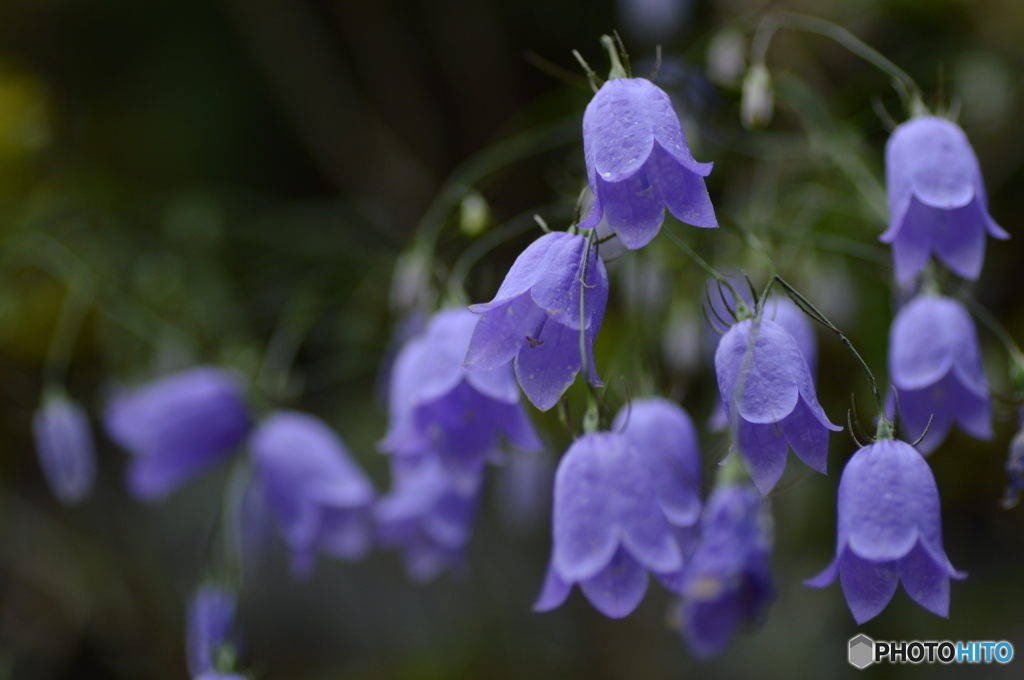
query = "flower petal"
x=807 y=436
x=618 y=588
x=868 y=586
x=554 y=591
x=926 y=582
x=501 y=331
x=763 y=451
x=546 y=369
x=681 y=189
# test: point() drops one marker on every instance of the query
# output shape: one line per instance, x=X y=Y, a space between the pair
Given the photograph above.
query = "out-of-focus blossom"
x=209 y=626
x=427 y=516
x=728 y=580
x=318 y=495
x=758 y=99
x=176 y=427
x=638 y=162
x=535 y=318
x=438 y=406
x=727 y=57
x=770 y=400
x=937 y=200
x=609 y=528
x=935 y=364
x=889 y=530
x=1015 y=468
x=65 y=448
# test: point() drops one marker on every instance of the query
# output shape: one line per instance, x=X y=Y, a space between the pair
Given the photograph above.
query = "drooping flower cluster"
x=621 y=499
x=65 y=448
x=770 y=400
x=889 y=531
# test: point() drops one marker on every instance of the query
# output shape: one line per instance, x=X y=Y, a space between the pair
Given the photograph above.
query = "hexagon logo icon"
x=862 y=651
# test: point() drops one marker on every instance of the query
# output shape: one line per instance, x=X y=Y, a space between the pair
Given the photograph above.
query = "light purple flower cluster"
x=889 y=531
x=65 y=448
x=621 y=500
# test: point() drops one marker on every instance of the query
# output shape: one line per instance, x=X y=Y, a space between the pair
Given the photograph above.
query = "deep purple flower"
x=609 y=528
x=535 y=318
x=65 y=448
x=937 y=199
x=935 y=364
x=176 y=427
x=638 y=163
x=770 y=400
x=209 y=626
x=889 y=529
x=320 y=498
x=728 y=580
x=425 y=515
x=438 y=406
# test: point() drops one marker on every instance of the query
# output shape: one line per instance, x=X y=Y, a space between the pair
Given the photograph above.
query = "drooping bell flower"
x=638 y=163
x=534 y=319
x=889 y=530
x=436 y=405
x=937 y=200
x=609 y=528
x=770 y=400
x=210 y=625
x=177 y=427
x=728 y=582
x=935 y=364
x=320 y=498
x=65 y=448
x=426 y=516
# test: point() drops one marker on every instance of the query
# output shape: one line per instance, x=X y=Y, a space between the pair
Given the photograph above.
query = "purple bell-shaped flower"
x=609 y=528
x=770 y=401
x=209 y=626
x=728 y=580
x=935 y=364
x=439 y=407
x=320 y=498
x=638 y=162
x=889 y=530
x=534 y=318
x=65 y=448
x=937 y=200
x=176 y=427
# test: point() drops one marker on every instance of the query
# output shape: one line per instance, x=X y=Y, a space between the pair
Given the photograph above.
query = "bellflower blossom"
x=889 y=530
x=438 y=406
x=535 y=318
x=609 y=528
x=427 y=516
x=937 y=199
x=728 y=580
x=935 y=364
x=65 y=448
x=638 y=162
x=320 y=498
x=176 y=427
x=770 y=401
x=209 y=625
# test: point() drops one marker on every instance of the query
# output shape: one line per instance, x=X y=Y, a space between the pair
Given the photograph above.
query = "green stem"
x=617 y=70
x=741 y=307
x=65 y=334
x=592 y=416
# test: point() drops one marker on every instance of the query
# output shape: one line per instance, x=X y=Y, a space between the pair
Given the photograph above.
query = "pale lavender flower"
x=65 y=448
x=609 y=528
x=937 y=200
x=209 y=626
x=770 y=400
x=889 y=530
x=638 y=162
x=320 y=498
x=176 y=427
x=728 y=580
x=438 y=406
x=935 y=364
x=534 y=319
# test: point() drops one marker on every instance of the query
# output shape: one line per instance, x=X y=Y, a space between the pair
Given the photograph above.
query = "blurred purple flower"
x=609 y=528
x=889 y=529
x=937 y=199
x=535 y=318
x=935 y=364
x=316 y=492
x=728 y=580
x=176 y=427
x=440 y=407
x=65 y=448
x=770 y=400
x=426 y=516
x=209 y=626
x=638 y=162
